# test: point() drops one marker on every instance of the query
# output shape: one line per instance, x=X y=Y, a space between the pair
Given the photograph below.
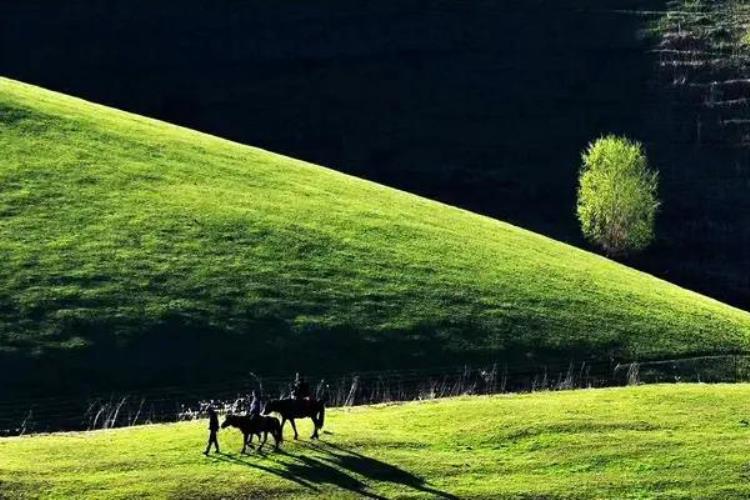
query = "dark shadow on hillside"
x=184 y=351
x=336 y=467
x=376 y=470
x=224 y=457
x=307 y=472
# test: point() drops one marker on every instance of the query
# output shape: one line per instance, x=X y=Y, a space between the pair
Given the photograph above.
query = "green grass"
x=718 y=27
x=137 y=252
x=683 y=441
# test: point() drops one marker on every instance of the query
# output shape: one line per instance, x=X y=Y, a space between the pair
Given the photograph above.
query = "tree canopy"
x=617 y=196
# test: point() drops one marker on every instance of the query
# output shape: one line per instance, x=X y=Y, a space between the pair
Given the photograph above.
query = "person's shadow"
x=305 y=471
x=332 y=469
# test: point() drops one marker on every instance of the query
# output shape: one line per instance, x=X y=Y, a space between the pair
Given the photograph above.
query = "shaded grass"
x=653 y=441
x=135 y=252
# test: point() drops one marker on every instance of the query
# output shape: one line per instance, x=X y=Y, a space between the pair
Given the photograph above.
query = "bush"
x=617 y=196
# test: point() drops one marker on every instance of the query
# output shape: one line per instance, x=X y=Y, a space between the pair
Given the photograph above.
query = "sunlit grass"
x=115 y=229
x=656 y=441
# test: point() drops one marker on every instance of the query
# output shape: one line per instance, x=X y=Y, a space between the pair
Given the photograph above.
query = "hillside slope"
x=636 y=442
x=483 y=105
x=137 y=253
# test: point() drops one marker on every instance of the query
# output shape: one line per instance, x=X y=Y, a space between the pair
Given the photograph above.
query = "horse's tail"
x=321 y=415
x=277 y=430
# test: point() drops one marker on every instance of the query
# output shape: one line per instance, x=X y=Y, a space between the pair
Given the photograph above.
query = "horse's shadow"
x=283 y=473
x=335 y=467
x=305 y=471
x=375 y=469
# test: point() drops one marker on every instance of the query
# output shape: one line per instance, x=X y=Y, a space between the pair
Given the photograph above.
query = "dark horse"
x=289 y=409
x=255 y=424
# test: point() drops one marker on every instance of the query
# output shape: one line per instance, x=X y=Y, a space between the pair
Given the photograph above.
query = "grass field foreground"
x=671 y=441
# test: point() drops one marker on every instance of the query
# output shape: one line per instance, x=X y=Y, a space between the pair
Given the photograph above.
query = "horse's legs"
x=291 y=420
x=315 y=426
x=283 y=421
x=244 y=443
x=265 y=438
x=276 y=439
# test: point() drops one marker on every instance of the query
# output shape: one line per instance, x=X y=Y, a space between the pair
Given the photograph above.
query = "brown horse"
x=255 y=425
x=289 y=409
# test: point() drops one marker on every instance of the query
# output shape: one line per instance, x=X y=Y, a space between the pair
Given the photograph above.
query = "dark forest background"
x=485 y=105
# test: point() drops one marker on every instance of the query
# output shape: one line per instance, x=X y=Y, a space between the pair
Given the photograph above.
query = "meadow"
x=661 y=441
x=140 y=254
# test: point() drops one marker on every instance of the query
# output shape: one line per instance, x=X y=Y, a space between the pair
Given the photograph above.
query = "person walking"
x=213 y=429
x=254 y=409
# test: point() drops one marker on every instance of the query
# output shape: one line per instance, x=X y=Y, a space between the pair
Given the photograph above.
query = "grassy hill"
x=648 y=442
x=483 y=105
x=138 y=253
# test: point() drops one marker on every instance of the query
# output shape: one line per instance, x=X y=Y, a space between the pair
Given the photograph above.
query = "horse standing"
x=289 y=409
x=255 y=425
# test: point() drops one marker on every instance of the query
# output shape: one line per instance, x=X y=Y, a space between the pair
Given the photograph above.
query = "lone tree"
x=617 y=200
